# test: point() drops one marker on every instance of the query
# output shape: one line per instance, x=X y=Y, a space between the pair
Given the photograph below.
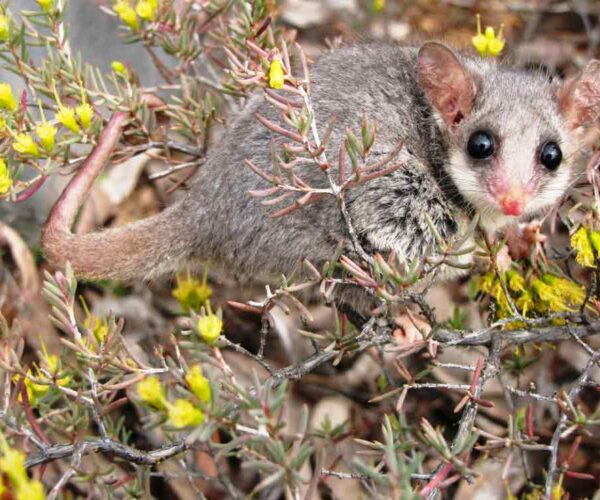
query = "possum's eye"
x=550 y=155
x=480 y=145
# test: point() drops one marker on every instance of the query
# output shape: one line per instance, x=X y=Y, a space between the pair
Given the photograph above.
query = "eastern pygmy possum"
x=479 y=137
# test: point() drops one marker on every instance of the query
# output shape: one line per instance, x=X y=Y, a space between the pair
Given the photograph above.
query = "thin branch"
x=71 y=471
x=486 y=336
x=108 y=447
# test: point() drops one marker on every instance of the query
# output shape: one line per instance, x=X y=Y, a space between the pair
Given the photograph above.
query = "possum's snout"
x=512 y=195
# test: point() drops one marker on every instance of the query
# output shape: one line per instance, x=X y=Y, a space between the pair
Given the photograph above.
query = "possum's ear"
x=579 y=97
x=448 y=86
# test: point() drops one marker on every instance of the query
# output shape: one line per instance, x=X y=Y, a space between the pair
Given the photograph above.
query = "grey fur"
x=221 y=223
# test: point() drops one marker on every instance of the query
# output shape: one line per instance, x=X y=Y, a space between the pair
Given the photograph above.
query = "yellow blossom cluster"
x=39 y=139
x=198 y=384
x=119 y=67
x=488 y=44
x=5 y=178
x=210 y=325
x=74 y=119
x=144 y=9
x=38 y=384
x=378 y=5
x=276 y=74
x=151 y=392
x=182 y=412
x=7 y=98
x=14 y=481
x=98 y=327
x=25 y=145
x=4 y=27
x=192 y=293
x=542 y=294
x=586 y=244
x=46 y=5
x=46 y=133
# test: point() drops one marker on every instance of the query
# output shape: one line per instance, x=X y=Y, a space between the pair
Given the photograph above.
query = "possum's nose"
x=513 y=200
x=512 y=206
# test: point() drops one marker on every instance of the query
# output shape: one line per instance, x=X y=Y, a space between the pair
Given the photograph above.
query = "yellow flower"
x=489 y=284
x=31 y=490
x=198 y=384
x=3 y=28
x=66 y=116
x=5 y=180
x=46 y=5
x=488 y=44
x=146 y=9
x=525 y=302
x=210 y=326
x=550 y=299
x=127 y=14
x=557 y=492
x=46 y=132
x=85 y=113
x=515 y=281
x=276 y=77
x=53 y=365
x=98 y=327
x=119 y=67
x=12 y=463
x=12 y=469
x=25 y=145
x=486 y=282
x=566 y=289
x=191 y=293
x=378 y=5
x=7 y=99
x=35 y=392
x=184 y=414
x=580 y=241
x=151 y=392
x=595 y=240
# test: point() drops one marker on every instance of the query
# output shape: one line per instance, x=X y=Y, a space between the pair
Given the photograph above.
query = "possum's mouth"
x=495 y=215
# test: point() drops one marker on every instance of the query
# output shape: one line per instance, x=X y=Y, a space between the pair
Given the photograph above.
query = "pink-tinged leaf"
x=580 y=475
x=529 y=421
x=476 y=375
x=277 y=199
x=573 y=450
x=279 y=129
x=461 y=404
x=262 y=193
x=244 y=307
x=483 y=402
x=259 y=171
x=436 y=480
x=24 y=101
x=31 y=190
x=401 y=398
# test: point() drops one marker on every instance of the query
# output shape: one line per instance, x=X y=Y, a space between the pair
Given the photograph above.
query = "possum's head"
x=512 y=135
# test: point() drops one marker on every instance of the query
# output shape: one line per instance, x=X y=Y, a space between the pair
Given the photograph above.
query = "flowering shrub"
x=96 y=415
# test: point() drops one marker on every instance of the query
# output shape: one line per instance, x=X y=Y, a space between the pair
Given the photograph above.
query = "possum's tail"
x=143 y=249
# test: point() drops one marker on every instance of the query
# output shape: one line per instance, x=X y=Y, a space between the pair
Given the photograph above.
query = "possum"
x=480 y=137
